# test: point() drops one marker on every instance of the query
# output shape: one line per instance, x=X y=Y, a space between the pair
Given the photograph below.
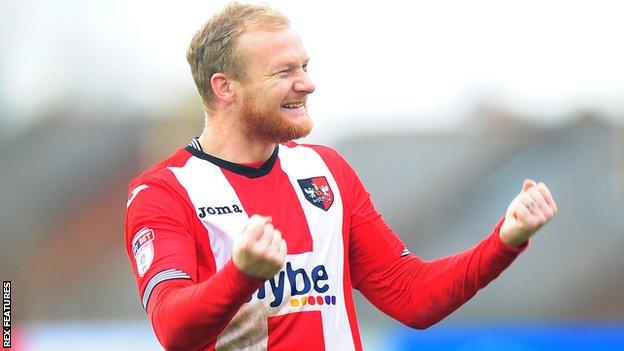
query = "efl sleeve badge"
x=143 y=250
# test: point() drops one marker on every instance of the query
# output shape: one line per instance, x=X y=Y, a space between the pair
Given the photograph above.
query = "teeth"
x=293 y=105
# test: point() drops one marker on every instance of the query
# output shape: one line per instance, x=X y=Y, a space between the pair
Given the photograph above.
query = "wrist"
x=511 y=237
x=511 y=241
x=240 y=274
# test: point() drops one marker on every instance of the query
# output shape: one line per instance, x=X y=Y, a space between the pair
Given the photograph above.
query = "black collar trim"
x=243 y=170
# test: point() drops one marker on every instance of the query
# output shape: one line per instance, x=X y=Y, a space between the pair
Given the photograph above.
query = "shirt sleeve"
x=185 y=314
x=416 y=292
x=159 y=240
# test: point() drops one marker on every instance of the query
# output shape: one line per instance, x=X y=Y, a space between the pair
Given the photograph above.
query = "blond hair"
x=214 y=48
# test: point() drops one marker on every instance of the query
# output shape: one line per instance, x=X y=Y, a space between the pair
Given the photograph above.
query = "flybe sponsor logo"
x=202 y=212
x=304 y=288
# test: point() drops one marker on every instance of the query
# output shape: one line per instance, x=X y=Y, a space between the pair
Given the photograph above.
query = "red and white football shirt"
x=185 y=212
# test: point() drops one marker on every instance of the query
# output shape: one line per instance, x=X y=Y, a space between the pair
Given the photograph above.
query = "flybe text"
x=299 y=282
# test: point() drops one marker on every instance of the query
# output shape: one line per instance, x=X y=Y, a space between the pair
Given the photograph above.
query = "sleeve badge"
x=143 y=250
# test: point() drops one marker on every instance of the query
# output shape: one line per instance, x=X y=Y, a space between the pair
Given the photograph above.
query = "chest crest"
x=317 y=191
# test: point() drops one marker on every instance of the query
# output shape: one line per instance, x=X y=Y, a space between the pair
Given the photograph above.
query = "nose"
x=304 y=85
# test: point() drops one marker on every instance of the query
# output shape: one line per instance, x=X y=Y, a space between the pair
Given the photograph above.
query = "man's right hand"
x=259 y=251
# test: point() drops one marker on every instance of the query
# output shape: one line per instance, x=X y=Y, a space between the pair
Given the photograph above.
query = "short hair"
x=214 y=48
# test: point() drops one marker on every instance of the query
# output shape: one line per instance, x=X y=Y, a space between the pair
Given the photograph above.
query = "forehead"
x=268 y=49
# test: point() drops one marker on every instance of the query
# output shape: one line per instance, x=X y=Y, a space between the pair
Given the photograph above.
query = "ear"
x=221 y=88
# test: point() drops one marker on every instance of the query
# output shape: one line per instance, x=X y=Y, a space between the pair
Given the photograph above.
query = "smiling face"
x=274 y=93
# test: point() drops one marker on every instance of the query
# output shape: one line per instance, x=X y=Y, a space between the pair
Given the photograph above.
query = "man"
x=245 y=239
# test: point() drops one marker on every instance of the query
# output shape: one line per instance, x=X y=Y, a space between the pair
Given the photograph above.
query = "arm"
x=186 y=314
x=421 y=293
x=189 y=316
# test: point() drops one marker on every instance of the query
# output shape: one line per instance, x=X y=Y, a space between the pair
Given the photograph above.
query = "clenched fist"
x=259 y=251
x=528 y=212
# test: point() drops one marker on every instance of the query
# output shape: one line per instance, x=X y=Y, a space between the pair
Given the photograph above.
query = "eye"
x=305 y=67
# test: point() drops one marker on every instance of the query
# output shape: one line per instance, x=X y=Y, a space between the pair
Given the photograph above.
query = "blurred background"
x=442 y=107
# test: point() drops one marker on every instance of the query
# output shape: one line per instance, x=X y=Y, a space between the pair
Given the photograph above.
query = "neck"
x=228 y=143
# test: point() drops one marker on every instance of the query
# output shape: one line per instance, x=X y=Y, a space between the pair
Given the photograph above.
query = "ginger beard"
x=266 y=121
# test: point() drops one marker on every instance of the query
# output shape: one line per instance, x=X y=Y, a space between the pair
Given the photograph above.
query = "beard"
x=266 y=122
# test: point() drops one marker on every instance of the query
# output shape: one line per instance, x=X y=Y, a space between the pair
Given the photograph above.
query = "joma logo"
x=218 y=210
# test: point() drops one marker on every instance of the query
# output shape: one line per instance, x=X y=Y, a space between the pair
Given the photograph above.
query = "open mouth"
x=293 y=105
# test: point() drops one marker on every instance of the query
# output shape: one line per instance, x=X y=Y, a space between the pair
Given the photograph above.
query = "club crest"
x=317 y=191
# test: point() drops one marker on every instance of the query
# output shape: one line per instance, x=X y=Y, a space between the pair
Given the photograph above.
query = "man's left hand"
x=528 y=212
